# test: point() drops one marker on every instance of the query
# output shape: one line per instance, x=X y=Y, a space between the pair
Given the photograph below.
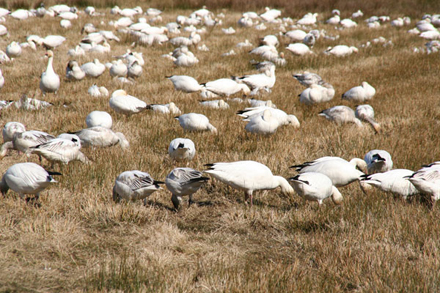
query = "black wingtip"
x=158 y=182
x=51 y=173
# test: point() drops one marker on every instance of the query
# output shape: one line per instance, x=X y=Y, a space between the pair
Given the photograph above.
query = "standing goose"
x=26 y=178
x=23 y=141
x=181 y=149
x=134 y=185
x=340 y=115
x=360 y=93
x=378 y=161
x=394 y=181
x=340 y=171
x=50 y=81
x=366 y=113
x=427 y=181
x=184 y=181
x=248 y=176
x=226 y=87
x=315 y=187
x=195 y=122
x=185 y=83
x=125 y=104
x=101 y=137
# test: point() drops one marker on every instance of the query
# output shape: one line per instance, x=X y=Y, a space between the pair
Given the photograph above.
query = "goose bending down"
x=265 y=80
x=341 y=50
x=263 y=123
x=283 y=117
x=184 y=181
x=317 y=94
x=394 y=181
x=248 y=176
x=226 y=87
x=134 y=185
x=125 y=104
x=315 y=186
x=50 y=81
x=378 y=161
x=299 y=49
x=60 y=150
x=10 y=129
x=182 y=149
x=195 y=122
x=340 y=115
x=169 y=108
x=74 y=72
x=185 y=83
x=214 y=104
x=93 y=69
x=22 y=141
x=101 y=137
x=360 y=93
x=99 y=118
x=366 y=113
x=308 y=78
x=26 y=178
x=427 y=181
x=340 y=171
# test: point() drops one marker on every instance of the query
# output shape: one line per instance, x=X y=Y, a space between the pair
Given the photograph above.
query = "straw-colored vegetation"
x=79 y=239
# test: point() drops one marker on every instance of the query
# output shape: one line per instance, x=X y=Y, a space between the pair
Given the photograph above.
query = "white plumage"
x=263 y=123
x=195 y=122
x=182 y=149
x=315 y=186
x=50 y=81
x=360 y=93
x=185 y=83
x=169 y=108
x=101 y=137
x=93 y=69
x=341 y=115
x=317 y=94
x=341 y=50
x=214 y=104
x=99 y=118
x=308 y=78
x=427 y=181
x=125 y=104
x=226 y=87
x=394 y=181
x=184 y=181
x=299 y=49
x=366 y=113
x=74 y=71
x=22 y=141
x=10 y=129
x=378 y=161
x=134 y=185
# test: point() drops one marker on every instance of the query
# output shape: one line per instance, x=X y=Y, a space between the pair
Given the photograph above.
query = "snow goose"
x=270 y=14
x=341 y=50
x=50 y=81
x=282 y=117
x=256 y=82
x=309 y=40
x=215 y=104
x=263 y=123
x=186 y=61
x=360 y=93
x=93 y=69
x=315 y=186
x=101 y=137
x=68 y=15
x=13 y=50
x=31 y=104
x=51 y=41
x=263 y=49
x=77 y=51
x=60 y=150
x=317 y=94
x=185 y=83
x=125 y=104
x=10 y=129
x=184 y=181
x=21 y=14
x=134 y=69
x=153 y=12
x=134 y=185
x=245 y=21
x=357 y=14
x=118 y=68
x=260 y=103
x=340 y=171
x=427 y=181
x=74 y=72
x=335 y=19
x=99 y=118
x=296 y=35
x=299 y=49
x=366 y=113
x=340 y=115
x=378 y=161
x=181 y=149
x=270 y=40
x=226 y=87
x=394 y=181
x=308 y=19
x=26 y=178
x=169 y=108
x=90 y=10
x=348 y=23
x=195 y=122
x=248 y=176
x=22 y=141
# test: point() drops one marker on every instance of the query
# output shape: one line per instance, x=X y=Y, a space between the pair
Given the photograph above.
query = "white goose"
x=214 y=104
x=378 y=161
x=427 y=181
x=315 y=186
x=134 y=69
x=282 y=117
x=317 y=94
x=181 y=149
x=341 y=50
x=26 y=178
x=169 y=108
x=13 y=50
x=97 y=92
x=340 y=171
x=125 y=104
x=296 y=35
x=134 y=185
x=50 y=81
x=299 y=49
x=366 y=113
x=101 y=137
x=263 y=123
x=118 y=69
x=340 y=115
x=360 y=93
x=184 y=181
x=93 y=69
x=10 y=129
x=225 y=87
x=2 y=79
x=74 y=72
x=308 y=78
x=99 y=118
x=185 y=83
x=265 y=80
x=248 y=176
x=195 y=122
x=394 y=181
x=22 y=141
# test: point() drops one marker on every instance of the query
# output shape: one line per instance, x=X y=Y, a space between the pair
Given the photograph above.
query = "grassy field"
x=80 y=240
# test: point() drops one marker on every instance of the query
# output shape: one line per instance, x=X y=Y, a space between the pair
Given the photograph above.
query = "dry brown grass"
x=79 y=240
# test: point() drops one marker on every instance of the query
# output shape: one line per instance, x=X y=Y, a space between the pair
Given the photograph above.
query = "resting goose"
x=125 y=104
x=340 y=171
x=360 y=93
x=317 y=94
x=185 y=83
x=195 y=122
x=97 y=92
x=98 y=136
x=341 y=50
x=169 y=108
x=50 y=81
x=378 y=161
x=26 y=178
x=99 y=118
x=263 y=123
x=256 y=82
x=214 y=104
x=74 y=72
x=184 y=181
x=13 y=50
x=308 y=78
x=248 y=176
x=315 y=186
x=134 y=185
x=225 y=87
x=340 y=115
x=93 y=69
x=366 y=113
x=299 y=49
x=181 y=149
x=283 y=117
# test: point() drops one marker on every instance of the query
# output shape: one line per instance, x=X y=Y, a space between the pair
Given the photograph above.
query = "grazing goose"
x=299 y=49
x=394 y=181
x=74 y=72
x=317 y=94
x=184 y=181
x=366 y=113
x=169 y=108
x=181 y=149
x=296 y=35
x=10 y=129
x=185 y=83
x=315 y=186
x=99 y=118
x=225 y=87
x=195 y=122
x=340 y=115
x=101 y=137
x=50 y=81
x=248 y=176
x=134 y=185
x=93 y=69
x=340 y=171
x=263 y=123
x=23 y=141
x=215 y=104
x=26 y=178
x=378 y=161
x=60 y=150
x=308 y=78
x=283 y=117
x=360 y=93
x=125 y=104
x=427 y=181
x=341 y=50
x=265 y=80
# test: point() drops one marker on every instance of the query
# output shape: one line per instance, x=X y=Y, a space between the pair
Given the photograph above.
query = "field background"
x=80 y=240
